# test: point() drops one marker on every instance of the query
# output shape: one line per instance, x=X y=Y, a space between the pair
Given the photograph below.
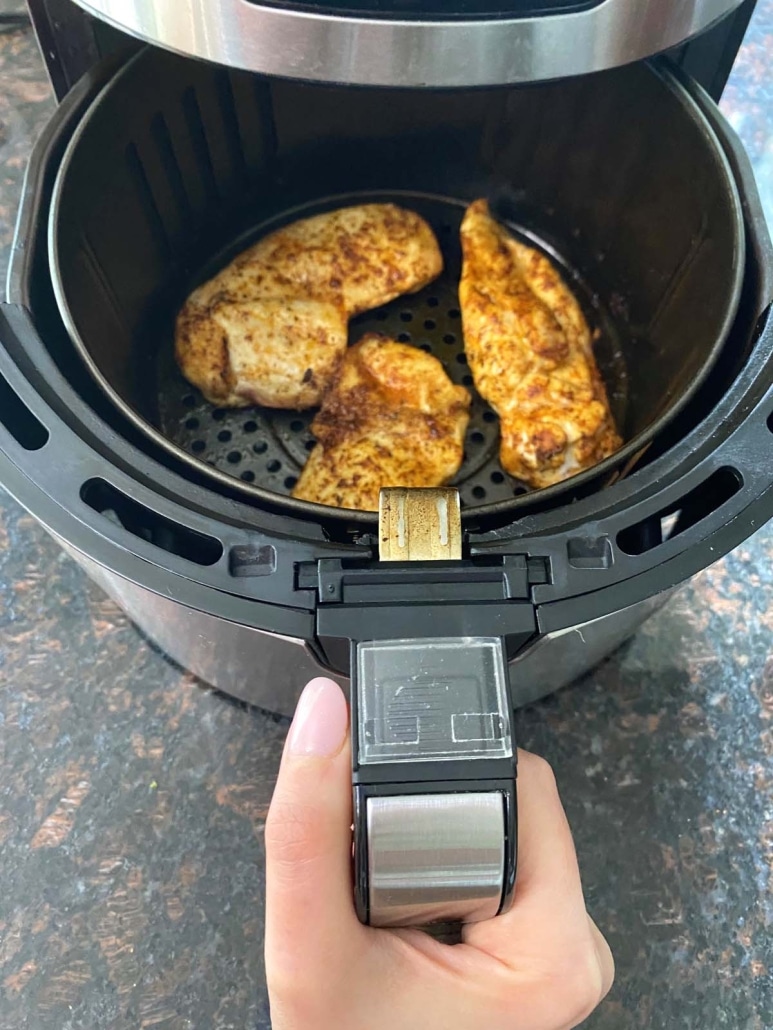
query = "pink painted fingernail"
x=321 y=720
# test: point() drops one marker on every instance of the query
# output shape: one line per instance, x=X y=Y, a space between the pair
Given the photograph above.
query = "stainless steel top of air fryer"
x=416 y=42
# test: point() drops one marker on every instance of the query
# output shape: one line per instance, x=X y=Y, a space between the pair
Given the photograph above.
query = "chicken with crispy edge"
x=530 y=352
x=391 y=418
x=271 y=327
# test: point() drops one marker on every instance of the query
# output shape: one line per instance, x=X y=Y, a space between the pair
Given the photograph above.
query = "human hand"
x=542 y=966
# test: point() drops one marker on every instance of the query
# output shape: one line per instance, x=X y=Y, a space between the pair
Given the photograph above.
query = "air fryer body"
x=269 y=670
x=256 y=598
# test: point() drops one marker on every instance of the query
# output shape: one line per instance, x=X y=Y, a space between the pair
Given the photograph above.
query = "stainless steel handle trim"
x=435 y=858
x=365 y=51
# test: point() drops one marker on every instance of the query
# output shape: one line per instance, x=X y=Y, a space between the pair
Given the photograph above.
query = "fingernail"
x=321 y=720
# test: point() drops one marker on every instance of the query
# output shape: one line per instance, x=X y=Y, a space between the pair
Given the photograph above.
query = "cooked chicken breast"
x=271 y=327
x=530 y=353
x=391 y=418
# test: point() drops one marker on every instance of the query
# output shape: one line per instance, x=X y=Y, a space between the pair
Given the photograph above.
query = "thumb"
x=309 y=899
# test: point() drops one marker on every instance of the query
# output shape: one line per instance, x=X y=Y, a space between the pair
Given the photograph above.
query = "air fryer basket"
x=232 y=567
x=179 y=165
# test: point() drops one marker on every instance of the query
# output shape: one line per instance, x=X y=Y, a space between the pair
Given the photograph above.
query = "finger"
x=310 y=913
x=606 y=960
x=548 y=908
x=547 y=939
x=547 y=860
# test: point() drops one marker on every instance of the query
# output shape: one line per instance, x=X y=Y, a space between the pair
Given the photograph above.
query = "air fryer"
x=156 y=168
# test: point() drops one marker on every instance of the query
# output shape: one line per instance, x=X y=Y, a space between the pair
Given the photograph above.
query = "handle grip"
x=433 y=761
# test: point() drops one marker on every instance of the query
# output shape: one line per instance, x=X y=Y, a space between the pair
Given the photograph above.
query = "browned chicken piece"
x=391 y=418
x=531 y=356
x=271 y=327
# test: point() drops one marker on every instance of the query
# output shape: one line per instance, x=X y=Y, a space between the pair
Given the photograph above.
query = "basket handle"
x=433 y=761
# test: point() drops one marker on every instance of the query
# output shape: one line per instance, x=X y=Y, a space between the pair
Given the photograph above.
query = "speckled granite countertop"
x=132 y=799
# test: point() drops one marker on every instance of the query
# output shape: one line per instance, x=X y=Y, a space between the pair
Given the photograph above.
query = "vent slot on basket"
x=198 y=135
x=19 y=420
x=148 y=201
x=148 y=525
x=682 y=515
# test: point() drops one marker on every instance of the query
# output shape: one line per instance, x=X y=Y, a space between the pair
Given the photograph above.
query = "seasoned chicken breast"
x=271 y=327
x=391 y=418
x=530 y=353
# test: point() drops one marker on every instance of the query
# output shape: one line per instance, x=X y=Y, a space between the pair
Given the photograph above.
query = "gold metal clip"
x=419 y=525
